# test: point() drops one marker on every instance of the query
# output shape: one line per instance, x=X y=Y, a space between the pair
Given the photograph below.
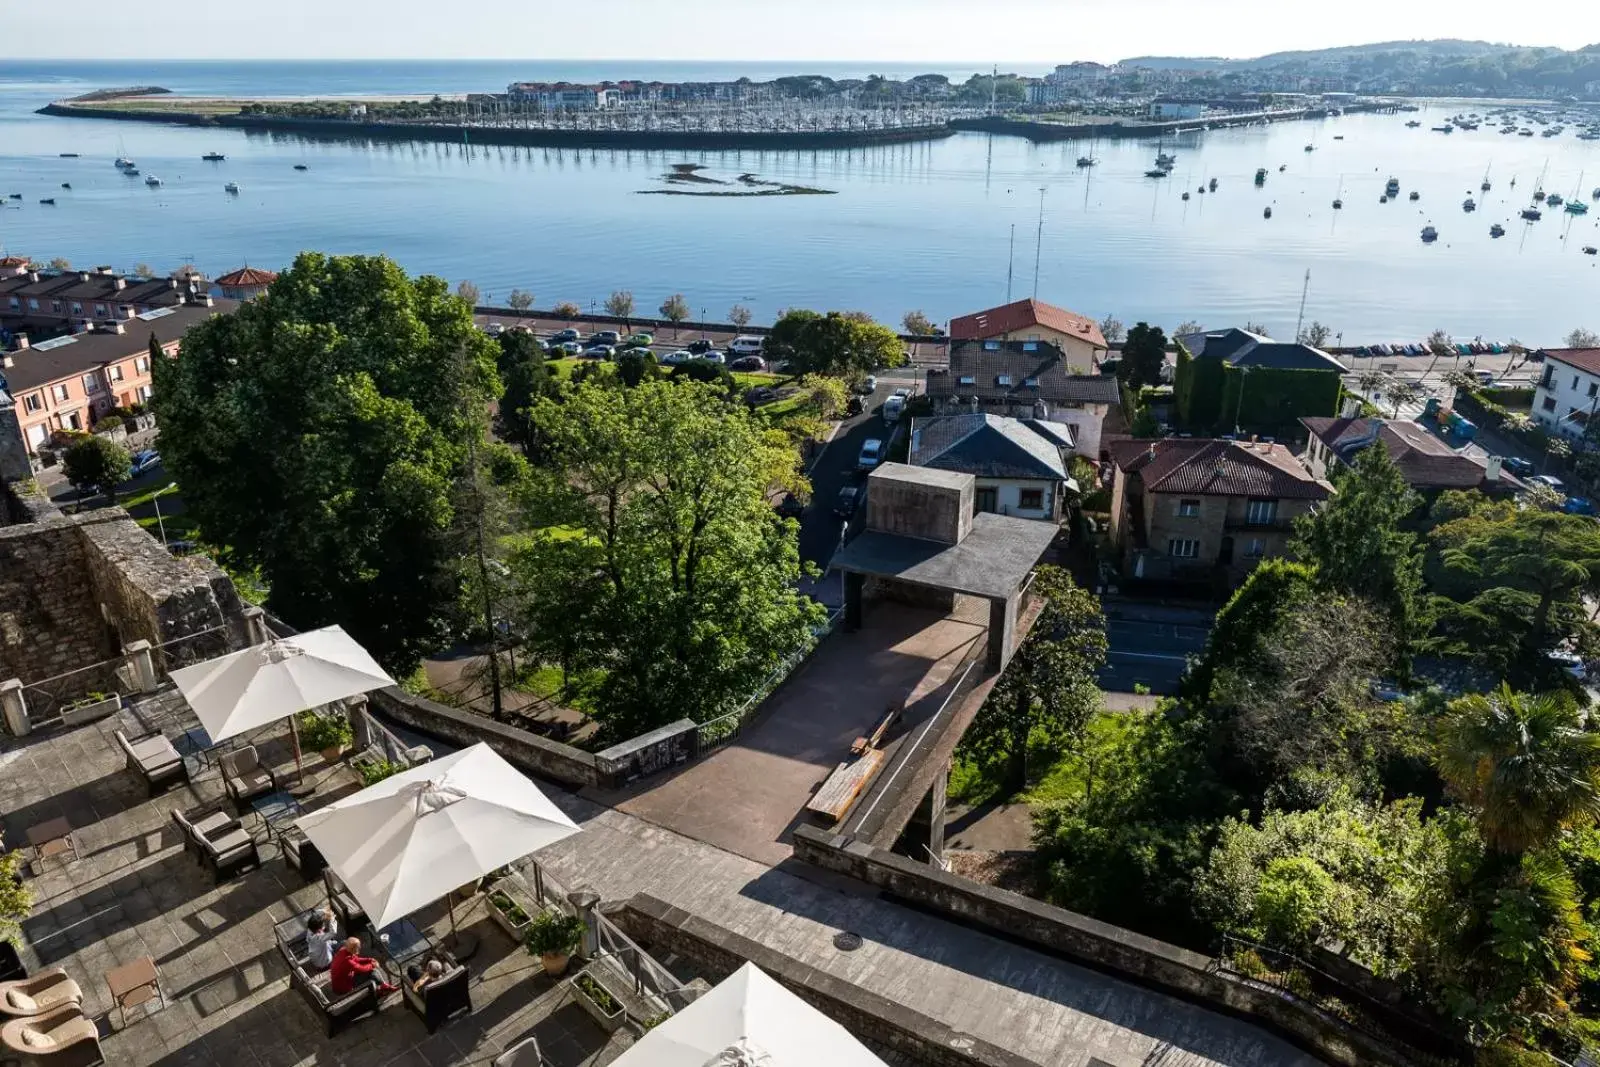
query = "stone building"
x=1426 y=463
x=1020 y=465
x=1077 y=336
x=1201 y=510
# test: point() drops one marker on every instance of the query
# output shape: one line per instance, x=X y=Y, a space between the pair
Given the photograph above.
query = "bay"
x=926 y=226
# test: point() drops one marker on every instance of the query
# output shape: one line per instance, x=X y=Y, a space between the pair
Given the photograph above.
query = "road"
x=1150 y=645
x=832 y=470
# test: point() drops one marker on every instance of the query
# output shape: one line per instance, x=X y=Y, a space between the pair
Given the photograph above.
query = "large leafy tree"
x=660 y=496
x=836 y=343
x=96 y=462
x=318 y=432
x=1142 y=356
x=1358 y=546
x=1048 y=691
x=524 y=376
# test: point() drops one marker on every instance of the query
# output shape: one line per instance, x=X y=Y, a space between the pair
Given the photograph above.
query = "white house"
x=1163 y=107
x=1568 y=392
x=1019 y=464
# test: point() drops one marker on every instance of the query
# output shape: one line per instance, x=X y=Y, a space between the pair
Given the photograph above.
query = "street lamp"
x=156 y=500
x=1244 y=373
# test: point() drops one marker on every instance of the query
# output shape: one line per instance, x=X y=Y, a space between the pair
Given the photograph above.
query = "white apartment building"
x=1567 y=394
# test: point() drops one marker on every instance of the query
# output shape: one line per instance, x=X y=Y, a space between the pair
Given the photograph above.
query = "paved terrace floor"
x=748 y=797
x=135 y=892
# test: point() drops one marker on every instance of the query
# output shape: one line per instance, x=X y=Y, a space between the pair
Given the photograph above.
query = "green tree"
x=1403 y=393
x=917 y=324
x=1582 y=338
x=144 y=270
x=318 y=433
x=675 y=309
x=739 y=315
x=524 y=376
x=519 y=300
x=1049 y=690
x=690 y=576
x=620 y=305
x=1524 y=763
x=566 y=310
x=636 y=365
x=1111 y=329
x=96 y=462
x=1143 y=354
x=469 y=292
x=60 y=263
x=1317 y=335
x=837 y=343
x=1358 y=545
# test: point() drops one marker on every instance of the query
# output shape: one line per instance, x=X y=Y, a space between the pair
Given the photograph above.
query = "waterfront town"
x=392 y=678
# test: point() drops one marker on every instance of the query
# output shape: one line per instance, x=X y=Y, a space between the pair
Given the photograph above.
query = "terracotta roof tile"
x=1218 y=468
x=1584 y=359
x=1020 y=315
x=246 y=277
x=1424 y=461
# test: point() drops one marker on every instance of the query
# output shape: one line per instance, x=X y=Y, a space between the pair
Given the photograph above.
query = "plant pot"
x=515 y=927
x=82 y=713
x=332 y=753
x=609 y=1020
x=555 y=963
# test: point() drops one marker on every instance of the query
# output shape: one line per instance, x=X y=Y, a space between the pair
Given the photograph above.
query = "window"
x=33 y=303
x=144 y=392
x=1030 y=346
x=1031 y=383
x=91 y=384
x=55 y=306
x=74 y=421
x=1188 y=509
x=991 y=346
x=59 y=392
x=1183 y=548
x=115 y=373
x=1594 y=387
x=1574 y=381
x=1030 y=499
x=1261 y=512
x=15 y=303
x=1033 y=337
x=142 y=365
x=1549 y=377
x=1255 y=549
x=1549 y=403
x=33 y=402
x=1002 y=379
x=99 y=311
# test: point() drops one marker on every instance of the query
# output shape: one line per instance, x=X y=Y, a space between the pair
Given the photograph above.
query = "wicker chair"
x=245 y=777
x=62 y=1038
x=39 y=995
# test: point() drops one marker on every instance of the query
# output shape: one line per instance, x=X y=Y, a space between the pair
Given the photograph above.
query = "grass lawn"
x=141 y=497
x=178 y=527
x=1053 y=775
x=579 y=694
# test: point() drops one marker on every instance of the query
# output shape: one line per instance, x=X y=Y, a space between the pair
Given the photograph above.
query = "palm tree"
x=1524 y=762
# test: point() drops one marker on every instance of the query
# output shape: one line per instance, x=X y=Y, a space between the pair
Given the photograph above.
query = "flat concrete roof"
x=991 y=561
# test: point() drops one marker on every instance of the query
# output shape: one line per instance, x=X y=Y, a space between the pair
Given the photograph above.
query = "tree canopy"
x=1143 y=354
x=318 y=432
x=838 y=343
x=96 y=462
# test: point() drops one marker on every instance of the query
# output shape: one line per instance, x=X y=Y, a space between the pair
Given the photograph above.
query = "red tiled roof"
x=1424 y=461
x=12 y=262
x=1218 y=468
x=245 y=277
x=1020 y=315
x=1585 y=359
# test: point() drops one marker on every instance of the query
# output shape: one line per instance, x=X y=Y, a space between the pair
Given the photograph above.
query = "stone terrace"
x=134 y=891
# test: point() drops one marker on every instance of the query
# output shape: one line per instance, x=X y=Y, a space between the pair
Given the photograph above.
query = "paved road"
x=833 y=469
x=1150 y=646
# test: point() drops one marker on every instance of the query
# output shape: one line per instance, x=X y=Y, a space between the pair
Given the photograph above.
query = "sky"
x=1030 y=35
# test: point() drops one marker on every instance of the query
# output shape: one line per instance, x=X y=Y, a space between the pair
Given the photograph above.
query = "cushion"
x=37 y=1038
x=228 y=842
x=20 y=1001
x=154 y=750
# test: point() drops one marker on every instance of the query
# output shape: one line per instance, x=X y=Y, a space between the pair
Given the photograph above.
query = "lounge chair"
x=524 y=1053
x=441 y=999
x=351 y=914
x=224 y=846
x=154 y=758
x=62 y=1038
x=39 y=995
x=245 y=777
x=338 y=1012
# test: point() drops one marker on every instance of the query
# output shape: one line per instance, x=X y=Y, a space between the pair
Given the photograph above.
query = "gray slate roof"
x=1241 y=348
x=991 y=561
x=987 y=446
x=62 y=358
x=987 y=363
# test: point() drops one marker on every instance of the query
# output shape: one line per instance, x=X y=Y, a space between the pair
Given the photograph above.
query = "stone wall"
x=1169 y=968
x=719 y=952
x=50 y=618
x=14 y=464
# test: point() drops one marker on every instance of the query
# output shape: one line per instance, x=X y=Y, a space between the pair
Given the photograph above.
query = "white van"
x=893 y=408
x=746 y=346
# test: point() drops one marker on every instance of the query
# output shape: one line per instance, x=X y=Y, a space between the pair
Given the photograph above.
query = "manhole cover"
x=846 y=941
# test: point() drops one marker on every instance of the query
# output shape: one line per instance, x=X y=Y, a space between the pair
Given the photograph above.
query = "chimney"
x=21 y=342
x=33 y=275
x=1253 y=438
x=172 y=283
x=125 y=311
x=1491 y=472
x=7 y=361
x=117 y=327
x=1351 y=408
x=105 y=269
x=83 y=275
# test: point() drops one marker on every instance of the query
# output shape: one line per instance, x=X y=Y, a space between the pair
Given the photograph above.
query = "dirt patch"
x=1013 y=871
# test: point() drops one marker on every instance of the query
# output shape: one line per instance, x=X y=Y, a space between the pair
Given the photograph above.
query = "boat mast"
x=1011 y=261
x=1038 y=245
x=1304 y=291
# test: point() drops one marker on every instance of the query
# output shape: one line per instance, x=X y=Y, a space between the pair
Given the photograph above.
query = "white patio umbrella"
x=748 y=1020
x=416 y=836
x=262 y=684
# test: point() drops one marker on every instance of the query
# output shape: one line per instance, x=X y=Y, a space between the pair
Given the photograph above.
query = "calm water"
x=912 y=226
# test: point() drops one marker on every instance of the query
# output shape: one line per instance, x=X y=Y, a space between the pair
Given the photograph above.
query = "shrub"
x=554 y=933
x=324 y=731
x=1291 y=897
x=376 y=771
x=16 y=897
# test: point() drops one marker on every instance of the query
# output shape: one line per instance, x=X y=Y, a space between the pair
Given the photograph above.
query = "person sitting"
x=421 y=976
x=322 y=934
x=349 y=968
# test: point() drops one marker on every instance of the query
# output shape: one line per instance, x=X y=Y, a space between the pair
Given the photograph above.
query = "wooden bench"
x=891 y=715
x=844 y=786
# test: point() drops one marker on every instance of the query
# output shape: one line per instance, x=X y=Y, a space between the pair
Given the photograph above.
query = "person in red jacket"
x=350 y=968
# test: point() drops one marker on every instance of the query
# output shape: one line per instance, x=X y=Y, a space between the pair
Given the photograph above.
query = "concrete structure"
x=1077 y=336
x=1568 y=392
x=1428 y=464
x=1019 y=465
x=1028 y=380
x=1194 y=509
x=1166 y=108
x=71 y=381
x=925 y=544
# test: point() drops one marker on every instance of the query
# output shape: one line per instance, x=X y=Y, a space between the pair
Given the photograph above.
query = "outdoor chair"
x=199 y=823
x=352 y=916
x=441 y=999
x=337 y=1012
x=39 y=995
x=524 y=1053
x=224 y=847
x=62 y=1038
x=154 y=758
x=245 y=777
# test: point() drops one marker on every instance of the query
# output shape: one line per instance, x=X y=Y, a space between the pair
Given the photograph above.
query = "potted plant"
x=554 y=937
x=328 y=734
x=16 y=903
x=91 y=707
x=598 y=1001
x=511 y=917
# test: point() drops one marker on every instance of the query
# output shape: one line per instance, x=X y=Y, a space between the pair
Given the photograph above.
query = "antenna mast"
x=1011 y=261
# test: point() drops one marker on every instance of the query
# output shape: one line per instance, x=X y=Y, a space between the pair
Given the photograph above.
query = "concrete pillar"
x=1002 y=632
x=584 y=901
x=15 y=708
x=255 y=624
x=854 y=585
x=938 y=801
x=141 y=661
x=354 y=710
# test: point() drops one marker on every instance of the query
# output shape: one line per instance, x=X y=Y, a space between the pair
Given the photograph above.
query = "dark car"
x=699 y=347
x=855 y=406
x=564 y=335
x=849 y=498
x=790 y=507
x=610 y=338
x=1518 y=466
x=146 y=460
x=748 y=363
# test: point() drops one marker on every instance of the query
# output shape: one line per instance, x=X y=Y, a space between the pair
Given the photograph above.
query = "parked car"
x=904 y=392
x=790 y=507
x=145 y=460
x=697 y=347
x=867 y=386
x=1549 y=480
x=599 y=352
x=1484 y=377
x=849 y=497
x=1569 y=662
x=494 y=329
x=1517 y=465
x=610 y=338
x=745 y=345
x=562 y=336
x=641 y=339
x=1578 y=505
x=855 y=406
x=712 y=356
x=871 y=454
x=568 y=348
x=893 y=408
x=182 y=548
x=748 y=363
x=682 y=355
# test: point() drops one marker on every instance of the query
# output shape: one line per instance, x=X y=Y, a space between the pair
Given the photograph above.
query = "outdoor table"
x=133 y=984
x=195 y=744
x=277 y=811
x=51 y=838
x=399 y=942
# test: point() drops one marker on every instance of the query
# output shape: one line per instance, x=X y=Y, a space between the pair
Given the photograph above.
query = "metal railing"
x=192 y=648
x=650 y=979
x=50 y=700
x=381 y=741
x=714 y=733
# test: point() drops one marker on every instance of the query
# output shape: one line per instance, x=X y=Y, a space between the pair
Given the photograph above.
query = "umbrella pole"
x=299 y=766
x=459 y=945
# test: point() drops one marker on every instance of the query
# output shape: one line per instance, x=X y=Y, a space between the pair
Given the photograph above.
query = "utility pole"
x=1304 y=291
x=1011 y=261
x=1038 y=244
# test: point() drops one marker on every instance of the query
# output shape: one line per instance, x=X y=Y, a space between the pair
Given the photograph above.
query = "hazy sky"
x=1027 y=33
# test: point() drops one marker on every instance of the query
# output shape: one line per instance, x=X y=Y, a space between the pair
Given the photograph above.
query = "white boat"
x=152 y=180
x=232 y=187
x=123 y=163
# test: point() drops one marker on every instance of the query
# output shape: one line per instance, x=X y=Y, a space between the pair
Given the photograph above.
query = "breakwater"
x=1035 y=130
x=455 y=133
